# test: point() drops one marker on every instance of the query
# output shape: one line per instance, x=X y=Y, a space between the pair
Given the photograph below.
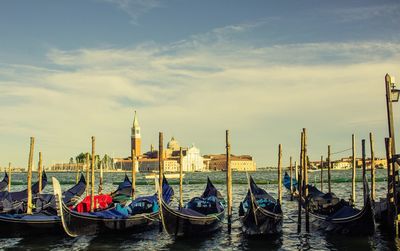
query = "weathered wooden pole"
x=40 y=170
x=9 y=176
x=228 y=180
x=134 y=159
x=280 y=174
x=329 y=168
x=388 y=145
x=100 y=164
x=322 y=173
x=390 y=200
x=87 y=174
x=299 y=183
x=296 y=170
x=160 y=160
x=305 y=162
x=364 y=164
x=30 y=164
x=354 y=165
x=180 y=177
x=305 y=167
x=371 y=144
x=291 y=177
x=160 y=171
x=92 y=206
x=77 y=173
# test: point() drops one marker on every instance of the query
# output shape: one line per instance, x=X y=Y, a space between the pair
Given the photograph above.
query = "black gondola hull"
x=362 y=223
x=80 y=224
x=20 y=228
x=261 y=222
x=178 y=224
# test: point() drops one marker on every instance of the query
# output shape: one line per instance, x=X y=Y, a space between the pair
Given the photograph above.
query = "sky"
x=264 y=70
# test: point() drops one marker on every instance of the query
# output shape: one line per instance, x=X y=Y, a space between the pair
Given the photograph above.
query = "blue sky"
x=263 y=69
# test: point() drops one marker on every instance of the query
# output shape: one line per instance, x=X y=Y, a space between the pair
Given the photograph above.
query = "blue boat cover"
x=345 y=211
x=210 y=202
x=286 y=182
x=262 y=198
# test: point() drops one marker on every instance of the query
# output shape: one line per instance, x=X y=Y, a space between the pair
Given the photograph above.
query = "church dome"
x=173 y=144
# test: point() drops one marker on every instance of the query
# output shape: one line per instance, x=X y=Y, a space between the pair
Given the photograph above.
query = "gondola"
x=334 y=215
x=259 y=212
x=286 y=182
x=199 y=217
x=44 y=219
x=139 y=215
x=13 y=201
x=123 y=192
x=4 y=182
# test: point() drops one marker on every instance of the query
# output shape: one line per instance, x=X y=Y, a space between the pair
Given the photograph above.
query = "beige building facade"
x=238 y=163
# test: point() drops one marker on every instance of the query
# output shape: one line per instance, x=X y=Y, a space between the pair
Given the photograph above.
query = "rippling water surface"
x=194 y=185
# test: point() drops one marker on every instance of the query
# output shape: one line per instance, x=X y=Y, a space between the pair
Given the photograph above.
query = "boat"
x=44 y=219
x=137 y=216
x=334 y=215
x=286 y=182
x=201 y=216
x=259 y=212
x=4 y=182
x=13 y=201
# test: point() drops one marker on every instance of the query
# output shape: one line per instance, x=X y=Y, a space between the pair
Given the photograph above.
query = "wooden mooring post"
x=228 y=180
x=300 y=188
x=77 y=173
x=30 y=164
x=92 y=206
x=87 y=174
x=280 y=174
x=305 y=164
x=329 y=169
x=40 y=170
x=364 y=164
x=9 y=176
x=354 y=165
x=391 y=212
x=371 y=143
x=291 y=177
x=180 y=177
x=160 y=171
x=100 y=191
x=322 y=173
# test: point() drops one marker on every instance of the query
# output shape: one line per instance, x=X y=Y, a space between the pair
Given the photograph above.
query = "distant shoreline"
x=259 y=170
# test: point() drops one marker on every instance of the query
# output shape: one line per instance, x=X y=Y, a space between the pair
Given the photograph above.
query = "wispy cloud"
x=135 y=8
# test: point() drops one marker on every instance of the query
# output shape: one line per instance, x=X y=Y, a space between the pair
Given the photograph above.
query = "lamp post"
x=392 y=95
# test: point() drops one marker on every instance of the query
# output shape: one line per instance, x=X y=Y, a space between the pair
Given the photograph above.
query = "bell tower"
x=136 y=140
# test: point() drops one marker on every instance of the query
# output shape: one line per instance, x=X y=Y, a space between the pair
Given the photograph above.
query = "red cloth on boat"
x=100 y=202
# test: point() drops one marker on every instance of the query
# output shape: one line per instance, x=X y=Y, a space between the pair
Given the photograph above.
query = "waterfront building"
x=193 y=161
x=238 y=163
